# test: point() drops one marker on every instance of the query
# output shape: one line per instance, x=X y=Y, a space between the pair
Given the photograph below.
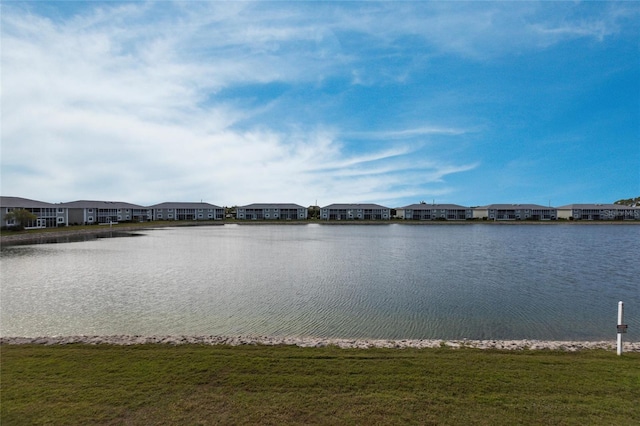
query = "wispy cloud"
x=484 y=30
x=105 y=106
x=406 y=133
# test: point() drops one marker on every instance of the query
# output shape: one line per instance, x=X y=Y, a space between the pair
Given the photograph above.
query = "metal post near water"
x=622 y=328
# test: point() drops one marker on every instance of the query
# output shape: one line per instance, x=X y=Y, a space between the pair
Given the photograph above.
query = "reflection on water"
x=393 y=281
x=72 y=238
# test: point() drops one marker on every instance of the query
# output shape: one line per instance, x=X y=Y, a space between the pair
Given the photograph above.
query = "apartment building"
x=283 y=211
x=48 y=215
x=598 y=212
x=186 y=211
x=515 y=212
x=434 y=212
x=355 y=212
x=87 y=212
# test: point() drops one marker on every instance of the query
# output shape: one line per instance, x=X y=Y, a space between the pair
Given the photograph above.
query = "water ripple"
x=386 y=282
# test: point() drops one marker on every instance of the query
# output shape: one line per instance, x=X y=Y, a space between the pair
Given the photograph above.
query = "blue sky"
x=393 y=103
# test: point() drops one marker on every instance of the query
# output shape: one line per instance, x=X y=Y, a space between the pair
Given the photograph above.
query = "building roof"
x=433 y=206
x=515 y=207
x=92 y=204
x=354 y=206
x=272 y=206
x=17 y=202
x=596 y=207
x=184 y=205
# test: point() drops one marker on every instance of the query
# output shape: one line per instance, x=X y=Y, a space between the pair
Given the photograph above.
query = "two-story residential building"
x=515 y=212
x=434 y=212
x=355 y=212
x=186 y=211
x=88 y=212
x=277 y=211
x=598 y=212
x=48 y=215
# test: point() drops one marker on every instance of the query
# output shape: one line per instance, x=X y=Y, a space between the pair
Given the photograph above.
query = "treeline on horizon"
x=631 y=202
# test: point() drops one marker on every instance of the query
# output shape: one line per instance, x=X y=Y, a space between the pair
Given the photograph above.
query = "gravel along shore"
x=123 y=340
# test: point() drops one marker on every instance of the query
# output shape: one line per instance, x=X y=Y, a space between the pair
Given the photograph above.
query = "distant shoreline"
x=511 y=345
x=39 y=236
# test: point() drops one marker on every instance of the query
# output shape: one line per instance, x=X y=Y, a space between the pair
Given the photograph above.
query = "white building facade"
x=186 y=211
x=276 y=211
x=48 y=215
x=515 y=212
x=434 y=212
x=598 y=212
x=87 y=212
x=355 y=212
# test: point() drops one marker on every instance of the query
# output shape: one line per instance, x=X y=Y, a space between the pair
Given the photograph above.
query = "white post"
x=620 y=322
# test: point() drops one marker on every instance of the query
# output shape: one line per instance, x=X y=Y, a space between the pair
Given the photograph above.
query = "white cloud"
x=485 y=30
x=408 y=133
x=121 y=101
x=106 y=110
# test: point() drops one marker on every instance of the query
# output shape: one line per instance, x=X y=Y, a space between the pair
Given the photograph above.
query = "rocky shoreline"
x=306 y=342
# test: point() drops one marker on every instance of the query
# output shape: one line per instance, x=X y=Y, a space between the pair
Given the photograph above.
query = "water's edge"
x=310 y=342
x=58 y=235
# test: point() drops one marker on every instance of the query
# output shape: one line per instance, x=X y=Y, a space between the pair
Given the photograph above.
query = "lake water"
x=480 y=281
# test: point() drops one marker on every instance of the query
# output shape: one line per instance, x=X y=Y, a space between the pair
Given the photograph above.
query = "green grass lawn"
x=190 y=384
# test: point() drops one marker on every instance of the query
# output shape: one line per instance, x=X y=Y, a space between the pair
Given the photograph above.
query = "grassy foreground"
x=190 y=384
